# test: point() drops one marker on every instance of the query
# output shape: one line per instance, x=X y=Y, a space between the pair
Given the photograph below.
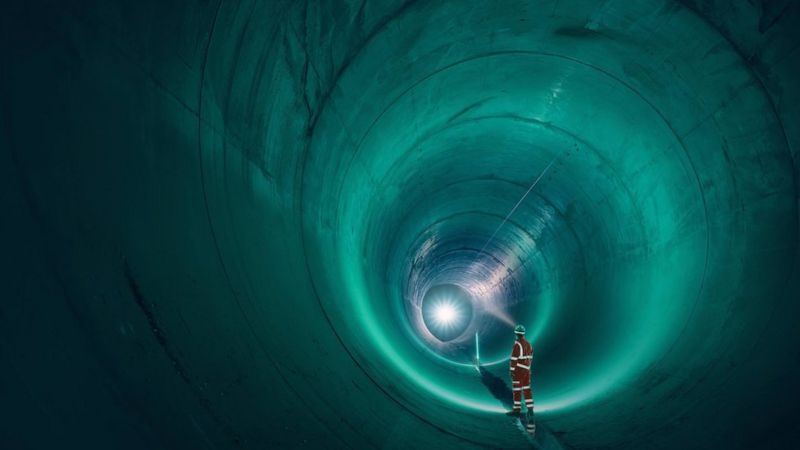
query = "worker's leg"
x=530 y=425
x=526 y=391
x=516 y=387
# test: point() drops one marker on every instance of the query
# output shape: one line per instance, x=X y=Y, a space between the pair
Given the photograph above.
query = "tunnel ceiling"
x=234 y=225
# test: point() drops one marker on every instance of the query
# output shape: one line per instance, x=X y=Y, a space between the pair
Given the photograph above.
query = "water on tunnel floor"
x=315 y=224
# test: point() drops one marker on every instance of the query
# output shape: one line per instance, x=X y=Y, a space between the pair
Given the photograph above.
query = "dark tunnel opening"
x=301 y=224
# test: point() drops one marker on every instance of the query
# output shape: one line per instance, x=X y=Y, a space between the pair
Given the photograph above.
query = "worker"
x=520 y=367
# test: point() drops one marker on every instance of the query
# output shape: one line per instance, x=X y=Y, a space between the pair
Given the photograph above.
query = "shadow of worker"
x=500 y=390
x=497 y=387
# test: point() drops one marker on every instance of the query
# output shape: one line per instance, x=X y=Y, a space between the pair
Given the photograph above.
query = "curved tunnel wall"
x=225 y=214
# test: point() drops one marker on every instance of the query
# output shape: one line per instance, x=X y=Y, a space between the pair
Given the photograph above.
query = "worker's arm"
x=530 y=361
x=516 y=352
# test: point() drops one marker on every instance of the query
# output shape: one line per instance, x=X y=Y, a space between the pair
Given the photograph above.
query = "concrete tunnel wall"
x=221 y=218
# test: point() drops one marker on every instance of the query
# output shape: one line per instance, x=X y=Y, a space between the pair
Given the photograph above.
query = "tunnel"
x=315 y=224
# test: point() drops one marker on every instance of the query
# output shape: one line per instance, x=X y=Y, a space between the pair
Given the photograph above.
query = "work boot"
x=530 y=425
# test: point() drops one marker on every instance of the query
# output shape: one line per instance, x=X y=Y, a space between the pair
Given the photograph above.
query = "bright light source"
x=445 y=314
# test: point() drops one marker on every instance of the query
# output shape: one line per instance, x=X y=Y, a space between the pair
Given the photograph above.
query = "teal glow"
x=223 y=220
x=603 y=245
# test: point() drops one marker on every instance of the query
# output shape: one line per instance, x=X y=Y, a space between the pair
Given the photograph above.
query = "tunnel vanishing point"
x=294 y=224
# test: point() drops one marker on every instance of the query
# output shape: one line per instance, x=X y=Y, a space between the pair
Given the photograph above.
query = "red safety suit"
x=521 y=359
